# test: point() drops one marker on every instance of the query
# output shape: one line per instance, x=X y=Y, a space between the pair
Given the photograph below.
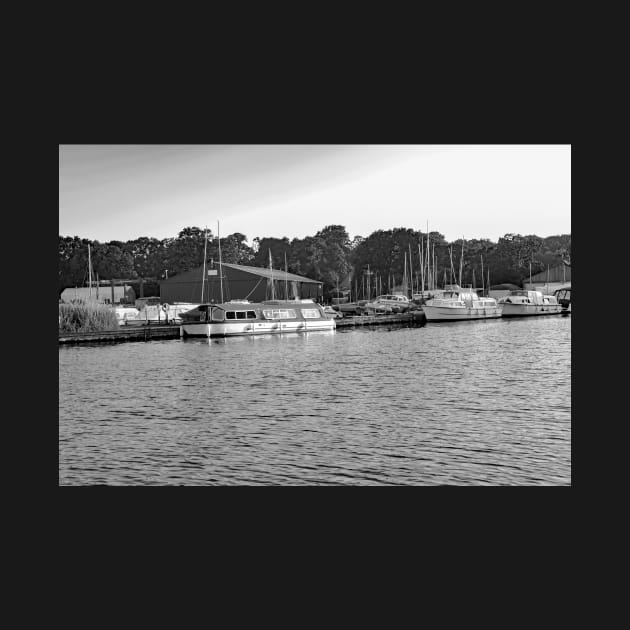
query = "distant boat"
x=238 y=318
x=563 y=295
x=457 y=304
x=529 y=303
x=389 y=304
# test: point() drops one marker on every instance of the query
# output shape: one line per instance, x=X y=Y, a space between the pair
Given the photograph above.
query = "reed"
x=79 y=316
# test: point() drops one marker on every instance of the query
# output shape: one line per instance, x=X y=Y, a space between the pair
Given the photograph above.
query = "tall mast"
x=273 y=292
x=530 y=276
x=434 y=269
x=286 y=284
x=421 y=254
x=461 y=263
x=483 y=288
x=205 y=249
x=450 y=253
x=90 y=269
x=405 y=277
x=220 y=262
x=410 y=270
x=428 y=262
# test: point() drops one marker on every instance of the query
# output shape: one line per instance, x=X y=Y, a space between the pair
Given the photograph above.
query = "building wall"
x=124 y=294
x=547 y=288
x=237 y=285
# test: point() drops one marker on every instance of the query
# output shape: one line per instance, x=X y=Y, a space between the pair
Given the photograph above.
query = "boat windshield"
x=523 y=293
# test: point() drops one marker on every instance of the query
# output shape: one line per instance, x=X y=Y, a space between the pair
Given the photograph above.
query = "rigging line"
x=259 y=281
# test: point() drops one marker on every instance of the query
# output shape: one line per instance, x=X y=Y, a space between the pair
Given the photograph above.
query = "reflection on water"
x=485 y=402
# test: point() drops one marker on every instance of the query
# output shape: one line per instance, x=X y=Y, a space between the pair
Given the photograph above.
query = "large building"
x=239 y=282
x=549 y=281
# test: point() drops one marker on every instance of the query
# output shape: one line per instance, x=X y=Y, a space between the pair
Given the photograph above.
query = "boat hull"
x=234 y=329
x=528 y=310
x=460 y=313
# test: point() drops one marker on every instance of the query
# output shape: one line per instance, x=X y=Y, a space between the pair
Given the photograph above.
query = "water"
x=461 y=403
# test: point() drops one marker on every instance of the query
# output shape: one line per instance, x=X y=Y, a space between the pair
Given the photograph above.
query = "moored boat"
x=457 y=304
x=563 y=295
x=252 y=318
x=529 y=303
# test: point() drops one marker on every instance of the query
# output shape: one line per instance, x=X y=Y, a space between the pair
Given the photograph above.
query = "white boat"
x=529 y=303
x=239 y=318
x=457 y=304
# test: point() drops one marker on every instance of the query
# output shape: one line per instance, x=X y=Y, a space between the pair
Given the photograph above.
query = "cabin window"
x=310 y=313
x=251 y=314
x=280 y=313
x=241 y=315
x=230 y=315
x=217 y=315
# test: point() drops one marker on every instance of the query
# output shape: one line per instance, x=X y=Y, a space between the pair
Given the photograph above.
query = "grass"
x=79 y=316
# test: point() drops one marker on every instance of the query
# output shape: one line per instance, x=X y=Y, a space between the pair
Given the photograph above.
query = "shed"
x=123 y=294
x=240 y=282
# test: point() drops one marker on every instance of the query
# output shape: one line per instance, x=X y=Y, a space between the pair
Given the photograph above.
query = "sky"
x=122 y=192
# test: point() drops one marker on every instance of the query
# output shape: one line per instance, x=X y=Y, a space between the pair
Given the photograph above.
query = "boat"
x=237 y=318
x=528 y=303
x=389 y=304
x=563 y=295
x=457 y=303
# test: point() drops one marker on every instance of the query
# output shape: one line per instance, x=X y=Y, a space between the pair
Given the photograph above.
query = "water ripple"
x=479 y=403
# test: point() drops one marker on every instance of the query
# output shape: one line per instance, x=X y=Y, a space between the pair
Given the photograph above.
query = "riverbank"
x=151 y=331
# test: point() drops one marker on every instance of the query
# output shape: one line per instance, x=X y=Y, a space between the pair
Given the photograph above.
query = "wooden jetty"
x=152 y=332
x=124 y=333
x=412 y=318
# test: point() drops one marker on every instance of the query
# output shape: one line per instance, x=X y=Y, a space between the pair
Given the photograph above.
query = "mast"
x=483 y=288
x=461 y=263
x=421 y=254
x=428 y=262
x=286 y=284
x=273 y=292
x=450 y=253
x=205 y=249
x=410 y=271
x=90 y=269
x=530 y=275
x=220 y=265
x=405 y=277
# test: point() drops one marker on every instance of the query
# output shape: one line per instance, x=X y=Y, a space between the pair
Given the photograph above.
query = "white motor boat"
x=528 y=303
x=249 y=318
x=461 y=304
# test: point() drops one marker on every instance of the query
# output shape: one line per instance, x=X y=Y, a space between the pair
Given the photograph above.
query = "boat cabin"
x=241 y=310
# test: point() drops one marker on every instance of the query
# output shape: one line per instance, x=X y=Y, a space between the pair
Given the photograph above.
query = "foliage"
x=329 y=256
x=80 y=316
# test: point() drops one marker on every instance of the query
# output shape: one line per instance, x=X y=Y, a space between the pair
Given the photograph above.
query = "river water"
x=453 y=403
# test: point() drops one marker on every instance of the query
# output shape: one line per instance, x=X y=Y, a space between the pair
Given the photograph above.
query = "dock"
x=413 y=318
x=124 y=333
x=152 y=332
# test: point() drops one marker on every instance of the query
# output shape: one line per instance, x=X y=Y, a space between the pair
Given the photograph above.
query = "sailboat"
x=457 y=303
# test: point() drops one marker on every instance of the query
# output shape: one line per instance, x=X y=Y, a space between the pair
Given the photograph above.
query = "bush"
x=79 y=316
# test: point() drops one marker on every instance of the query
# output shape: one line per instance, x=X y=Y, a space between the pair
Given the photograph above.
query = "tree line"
x=329 y=256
